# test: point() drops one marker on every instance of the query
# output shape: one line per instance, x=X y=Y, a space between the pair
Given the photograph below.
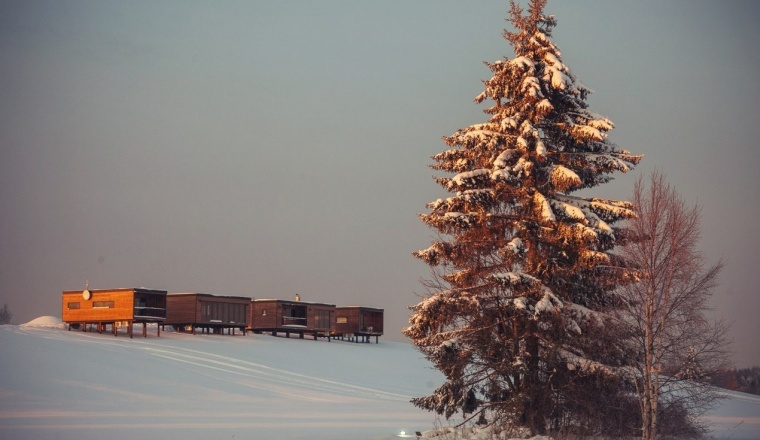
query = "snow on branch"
x=458 y=219
x=612 y=161
x=508 y=123
x=589 y=224
x=585 y=314
x=568 y=210
x=597 y=223
x=564 y=179
x=514 y=279
x=469 y=179
x=521 y=169
x=585 y=365
x=432 y=254
x=488 y=136
x=600 y=123
x=557 y=78
x=462 y=199
x=523 y=62
x=450 y=222
x=506 y=156
x=449 y=155
x=544 y=210
x=587 y=133
x=532 y=87
x=433 y=305
x=584 y=232
x=544 y=107
x=516 y=246
x=592 y=258
x=606 y=210
x=548 y=302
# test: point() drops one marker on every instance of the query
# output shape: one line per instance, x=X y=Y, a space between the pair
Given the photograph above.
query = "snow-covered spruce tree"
x=516 y=311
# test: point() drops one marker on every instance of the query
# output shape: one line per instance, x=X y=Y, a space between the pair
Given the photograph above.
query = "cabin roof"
x=208 y=295
x=293 y=302
x=120 y=289
x=372 y=309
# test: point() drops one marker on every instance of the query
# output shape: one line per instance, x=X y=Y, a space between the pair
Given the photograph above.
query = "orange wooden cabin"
x=210 y=313
x=114 y=307
x=299 y=317
x=358 y=323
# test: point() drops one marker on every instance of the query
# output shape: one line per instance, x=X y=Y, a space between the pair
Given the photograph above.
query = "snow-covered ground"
x=56 y=384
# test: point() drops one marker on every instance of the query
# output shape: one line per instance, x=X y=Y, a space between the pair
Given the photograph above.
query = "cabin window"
x=342 y=320
x=150 y=306
x=208 y=311
x=223 y=312
x=73 y=305
x=238 y=312
x=102 y=304
x=321 y=319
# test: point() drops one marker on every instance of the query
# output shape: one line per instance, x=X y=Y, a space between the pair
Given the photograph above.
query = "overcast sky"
x=266 y=149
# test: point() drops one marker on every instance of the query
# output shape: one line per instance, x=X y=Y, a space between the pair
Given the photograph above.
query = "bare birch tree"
x=677 y=345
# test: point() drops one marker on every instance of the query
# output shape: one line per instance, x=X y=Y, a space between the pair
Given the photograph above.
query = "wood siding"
x=111 y=305
x=182 y=309
x=275 y=314
x=359 y=320
x=205 y=309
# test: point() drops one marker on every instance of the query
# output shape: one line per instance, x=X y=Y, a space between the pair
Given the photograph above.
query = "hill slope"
x=75 y=385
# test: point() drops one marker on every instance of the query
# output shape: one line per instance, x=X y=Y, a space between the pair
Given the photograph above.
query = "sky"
x=268 y=149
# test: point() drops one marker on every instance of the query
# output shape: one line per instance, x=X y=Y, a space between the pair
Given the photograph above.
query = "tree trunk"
x=535 y=408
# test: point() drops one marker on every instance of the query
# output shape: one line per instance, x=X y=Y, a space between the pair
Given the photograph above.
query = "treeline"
x=746 y=380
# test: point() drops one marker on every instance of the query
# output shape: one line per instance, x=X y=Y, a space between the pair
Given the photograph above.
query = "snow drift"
x=44 y=322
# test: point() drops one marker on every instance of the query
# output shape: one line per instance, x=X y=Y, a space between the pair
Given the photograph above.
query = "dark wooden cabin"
x=113 y=307
x=299 y=317
x=357 y=323
x=210 y=313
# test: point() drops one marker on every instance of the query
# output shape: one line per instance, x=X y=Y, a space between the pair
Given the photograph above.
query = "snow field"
x=56 y=384
x=60 y=384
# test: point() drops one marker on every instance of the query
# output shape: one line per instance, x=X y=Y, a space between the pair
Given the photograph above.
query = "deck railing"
x=150 y=312
x=292 y=320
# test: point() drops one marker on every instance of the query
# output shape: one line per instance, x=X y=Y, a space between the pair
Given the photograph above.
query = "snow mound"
x=45 y=321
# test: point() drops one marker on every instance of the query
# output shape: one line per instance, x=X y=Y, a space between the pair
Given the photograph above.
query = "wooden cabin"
x=210 y=313
x=299 y=317
x=357 y=323
x=113 y=307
